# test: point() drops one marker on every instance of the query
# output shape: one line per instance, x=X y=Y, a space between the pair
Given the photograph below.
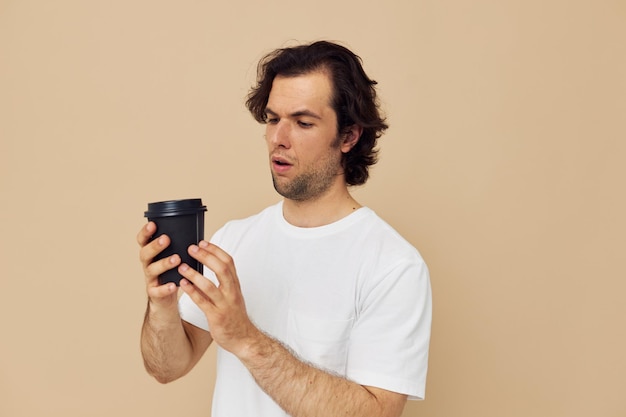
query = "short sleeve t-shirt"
x=352 y=297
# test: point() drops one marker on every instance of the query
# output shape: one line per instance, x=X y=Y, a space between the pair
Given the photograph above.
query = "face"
x=304 y=146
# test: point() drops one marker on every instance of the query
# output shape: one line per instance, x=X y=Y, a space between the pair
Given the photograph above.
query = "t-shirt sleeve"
x=391 y=336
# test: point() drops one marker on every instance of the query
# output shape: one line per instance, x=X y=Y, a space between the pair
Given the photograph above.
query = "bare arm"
x=170 y=347
x=299 y=388
x=303 y=390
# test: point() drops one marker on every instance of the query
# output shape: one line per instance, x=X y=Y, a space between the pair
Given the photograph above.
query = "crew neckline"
x=323 y=230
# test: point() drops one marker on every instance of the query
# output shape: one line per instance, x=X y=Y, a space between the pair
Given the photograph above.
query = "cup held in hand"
x=183 y=222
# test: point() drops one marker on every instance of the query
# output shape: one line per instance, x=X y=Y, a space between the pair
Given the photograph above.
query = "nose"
x=278 y=134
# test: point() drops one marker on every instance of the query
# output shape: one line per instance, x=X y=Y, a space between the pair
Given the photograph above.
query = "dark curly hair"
x=354 y=96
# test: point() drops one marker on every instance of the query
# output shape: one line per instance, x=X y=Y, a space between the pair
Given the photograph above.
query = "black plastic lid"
x=174 y=208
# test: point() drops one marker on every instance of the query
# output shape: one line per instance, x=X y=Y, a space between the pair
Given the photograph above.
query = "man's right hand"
x=165 y=295
x=170 y=347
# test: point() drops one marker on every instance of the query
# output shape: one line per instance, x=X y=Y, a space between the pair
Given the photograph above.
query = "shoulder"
x=386 y=240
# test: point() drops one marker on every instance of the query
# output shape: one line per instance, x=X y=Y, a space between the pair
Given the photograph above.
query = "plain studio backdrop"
x=504 y=164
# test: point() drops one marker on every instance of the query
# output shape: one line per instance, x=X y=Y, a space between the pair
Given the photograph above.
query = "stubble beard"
x=304 y=187
x=313 y=182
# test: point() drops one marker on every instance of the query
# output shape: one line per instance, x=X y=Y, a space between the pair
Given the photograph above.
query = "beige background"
x=504 y=165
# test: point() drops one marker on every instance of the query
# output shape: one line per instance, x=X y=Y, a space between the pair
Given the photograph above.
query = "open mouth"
x=280 y=165
x=280 y=161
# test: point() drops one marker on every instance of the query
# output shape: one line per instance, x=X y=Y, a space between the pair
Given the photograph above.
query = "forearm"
x=303 y=390
x=165 y=347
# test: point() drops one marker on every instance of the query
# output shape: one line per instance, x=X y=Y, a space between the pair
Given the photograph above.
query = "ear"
x=351 y=136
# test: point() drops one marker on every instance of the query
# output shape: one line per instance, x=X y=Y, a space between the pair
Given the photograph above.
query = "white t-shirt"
x=352 y=297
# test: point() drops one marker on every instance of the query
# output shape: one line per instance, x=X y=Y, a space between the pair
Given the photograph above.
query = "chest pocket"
x=322 y=342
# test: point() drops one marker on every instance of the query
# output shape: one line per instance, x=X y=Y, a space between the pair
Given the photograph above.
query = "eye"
x=271 y=120
x=304 y=124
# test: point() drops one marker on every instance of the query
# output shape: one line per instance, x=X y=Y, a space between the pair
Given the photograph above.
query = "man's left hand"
x=222 y=304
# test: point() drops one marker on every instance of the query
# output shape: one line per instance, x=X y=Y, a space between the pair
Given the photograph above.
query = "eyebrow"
x=298 y=113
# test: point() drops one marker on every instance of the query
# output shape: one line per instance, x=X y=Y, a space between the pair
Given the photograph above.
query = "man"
x=318 y=307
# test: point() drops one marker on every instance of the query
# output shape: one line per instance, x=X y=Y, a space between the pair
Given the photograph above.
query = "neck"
x=320 y=211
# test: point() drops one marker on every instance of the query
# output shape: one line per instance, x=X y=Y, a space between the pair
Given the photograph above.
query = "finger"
x=216 y=250
x=153 y=270
x=152 y=249
x=201 y=290
x=162 y=291
x=217 y=261
x=197 y=296
x=200 y=281
x=146 y=233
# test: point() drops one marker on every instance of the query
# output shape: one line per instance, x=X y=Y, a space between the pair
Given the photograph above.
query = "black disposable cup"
x=183 y=222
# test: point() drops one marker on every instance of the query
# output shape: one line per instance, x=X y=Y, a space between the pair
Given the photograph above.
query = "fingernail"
x=193 y=248
x=184 y=267
x=173 y=259
x=203 y=244
x=161 y=240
